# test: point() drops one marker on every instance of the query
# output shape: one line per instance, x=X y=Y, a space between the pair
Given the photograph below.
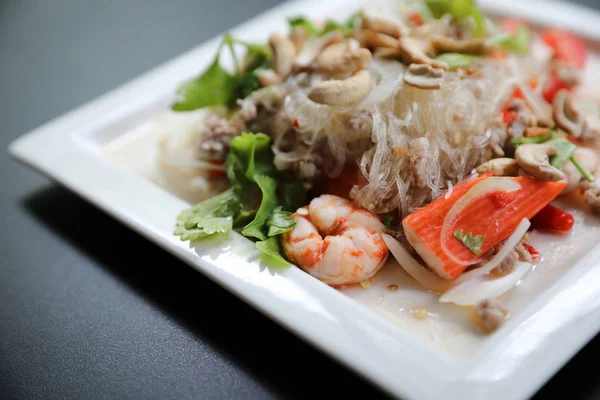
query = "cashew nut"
x=268 y=77
x=500 y=167
x=342 y=58
x=298 y=36
x=372 y=39
x=415 y=51
x=424 y=76
x=342 y=92
x=477 y=47
x=283 y=54
x=534 y=160
x=312 y=48
x=385 y=52
x=383 y=25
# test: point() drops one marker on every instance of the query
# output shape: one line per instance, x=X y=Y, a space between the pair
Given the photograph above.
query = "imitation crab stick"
x=457 y=230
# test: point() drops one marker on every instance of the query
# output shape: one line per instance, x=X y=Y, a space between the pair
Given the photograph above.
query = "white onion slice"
x=490 y=185
x=425 y=277
x=473 y=291
x=509 y=245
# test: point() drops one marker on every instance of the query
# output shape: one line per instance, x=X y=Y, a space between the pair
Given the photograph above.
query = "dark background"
x=87 y=308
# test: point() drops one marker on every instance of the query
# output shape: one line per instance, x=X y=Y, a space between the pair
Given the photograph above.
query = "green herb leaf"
x=565 y=152
x=584 y=171
x=459 y=9
x=473 y=243
x=272 y=249
x=533 y=140
x=308 y=26
x=330 y=25
x=293 y=195
x=519 y=42
x=280 y=222
x=457 y=60
x=250 y=155
x=214 y=86
x=346 y=28
x=268 y=203
x=214 y=215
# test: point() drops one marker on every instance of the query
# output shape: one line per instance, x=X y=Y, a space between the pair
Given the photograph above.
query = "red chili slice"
x=553 y=219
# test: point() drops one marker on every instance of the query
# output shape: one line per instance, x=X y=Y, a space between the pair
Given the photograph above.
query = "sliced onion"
x=509 y=245
x=490 y=185
x=473 y=291
x=425 y=277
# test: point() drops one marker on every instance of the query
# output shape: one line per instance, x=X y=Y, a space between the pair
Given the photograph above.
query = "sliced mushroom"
x=534 y=160
x=283 y=54
x=415 y=51
x=477 y=47
x=424 y=76
x=342 y=58
x=298 y=36
x=268 y=77
x=342 y=92
x=312 y=48
x=500 y=167
x=386 y=26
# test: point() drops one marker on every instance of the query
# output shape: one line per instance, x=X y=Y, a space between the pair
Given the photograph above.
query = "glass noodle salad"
x=427 y=131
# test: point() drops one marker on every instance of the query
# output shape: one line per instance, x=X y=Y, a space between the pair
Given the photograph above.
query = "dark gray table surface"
x=87 y=308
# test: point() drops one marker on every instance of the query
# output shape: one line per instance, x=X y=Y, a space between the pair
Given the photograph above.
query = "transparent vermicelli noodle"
x=410 y=143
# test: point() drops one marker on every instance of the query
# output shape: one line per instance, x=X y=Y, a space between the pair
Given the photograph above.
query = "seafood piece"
x=336 y=241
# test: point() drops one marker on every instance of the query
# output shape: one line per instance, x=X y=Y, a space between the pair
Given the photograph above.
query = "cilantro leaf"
x=251 y=155
x=457 y=60
x=293 y=195
x=473 y=243
x=459 y=9
x=280 y=222
x=304 y=23
x=214 y=86
x=565 y=152
x=268 y=203
x=272 y=249
x=346 y=27
x=214 y=215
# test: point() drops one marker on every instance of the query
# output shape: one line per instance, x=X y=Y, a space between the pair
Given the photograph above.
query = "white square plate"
x=514 y=362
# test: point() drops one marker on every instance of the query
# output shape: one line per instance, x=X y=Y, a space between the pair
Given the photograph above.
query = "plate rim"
x=68 y=162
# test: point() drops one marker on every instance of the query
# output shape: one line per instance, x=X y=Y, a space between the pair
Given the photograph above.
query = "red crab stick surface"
x=488 y=208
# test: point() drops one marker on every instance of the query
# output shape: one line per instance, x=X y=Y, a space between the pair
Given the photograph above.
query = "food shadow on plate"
x=175 y=289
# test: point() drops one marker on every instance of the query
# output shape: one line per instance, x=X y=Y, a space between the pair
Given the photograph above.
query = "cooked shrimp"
x=336 y=241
